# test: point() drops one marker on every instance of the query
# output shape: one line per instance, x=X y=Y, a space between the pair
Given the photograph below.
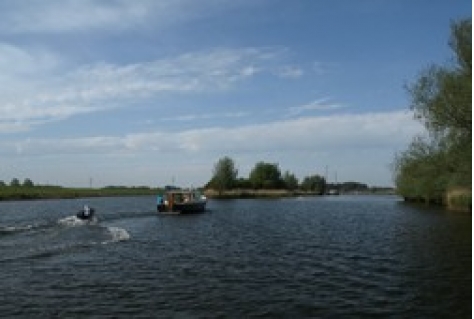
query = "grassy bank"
x=459 y=199
x=57 y=192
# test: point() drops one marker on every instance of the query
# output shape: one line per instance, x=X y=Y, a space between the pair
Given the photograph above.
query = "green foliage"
x=15 y=182
x=225 y=174
x=442 y=101
x=314 y=183
x=28 y=183
x=441 y=97
x=422 y=171
x=266 y=180
x=290 y=181
x=266 y=175
x=31 y=191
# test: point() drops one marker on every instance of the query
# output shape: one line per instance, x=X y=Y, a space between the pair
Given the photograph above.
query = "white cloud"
x=317 y=105
x=39 y=91
x=324 y=133
x=359 y=146
x=204 y=116
x=290 y=72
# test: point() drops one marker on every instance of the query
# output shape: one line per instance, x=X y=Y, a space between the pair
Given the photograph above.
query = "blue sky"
x=145 y=92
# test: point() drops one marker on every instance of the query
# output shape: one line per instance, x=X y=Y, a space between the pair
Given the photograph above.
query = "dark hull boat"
x=182 y=201
x=86 y=214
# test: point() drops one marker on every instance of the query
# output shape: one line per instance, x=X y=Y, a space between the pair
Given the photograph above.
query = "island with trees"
x=267 y=180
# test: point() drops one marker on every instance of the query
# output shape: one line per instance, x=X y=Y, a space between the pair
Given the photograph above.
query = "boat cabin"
x=182 y=201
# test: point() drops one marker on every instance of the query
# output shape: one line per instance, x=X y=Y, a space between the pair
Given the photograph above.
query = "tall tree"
x=225 y=174
x=28 y=183
x=290 y=180
x=266 y=175
x=15 y=182
x=441 y=97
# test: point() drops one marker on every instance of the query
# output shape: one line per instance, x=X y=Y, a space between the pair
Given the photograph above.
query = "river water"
x=314 y=257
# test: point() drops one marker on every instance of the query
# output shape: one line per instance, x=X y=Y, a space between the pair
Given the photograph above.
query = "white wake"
x=117 y=234
x=72 y=221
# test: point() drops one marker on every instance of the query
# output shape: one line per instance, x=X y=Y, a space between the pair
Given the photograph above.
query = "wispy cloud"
x=45 y=92
x=205 y=116
x=317 y=105
x=290 y=72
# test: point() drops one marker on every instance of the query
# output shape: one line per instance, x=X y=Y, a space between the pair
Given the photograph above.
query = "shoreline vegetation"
x=282 y=193
x=37 y=192
x=436 y=169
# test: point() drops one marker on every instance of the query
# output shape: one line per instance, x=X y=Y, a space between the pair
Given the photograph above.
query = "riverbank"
x=456 y=200
x=57 y=192
x=459 y=199
x=280 y=193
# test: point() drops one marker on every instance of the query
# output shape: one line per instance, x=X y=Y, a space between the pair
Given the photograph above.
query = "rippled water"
x=326 y=257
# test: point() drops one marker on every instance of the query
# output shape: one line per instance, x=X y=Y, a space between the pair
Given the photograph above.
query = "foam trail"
x=74 y=221
x=14 y=229
x=118 y=234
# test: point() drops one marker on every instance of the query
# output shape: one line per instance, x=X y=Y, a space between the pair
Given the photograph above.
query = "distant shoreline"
x=9 y=193
x=256 y=193
x=275 y=193
x=21 y=193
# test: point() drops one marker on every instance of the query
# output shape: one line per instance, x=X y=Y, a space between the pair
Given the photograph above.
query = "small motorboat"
x=87 y=213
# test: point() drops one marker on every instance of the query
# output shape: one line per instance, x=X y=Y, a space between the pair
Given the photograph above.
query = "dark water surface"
x=331 y=257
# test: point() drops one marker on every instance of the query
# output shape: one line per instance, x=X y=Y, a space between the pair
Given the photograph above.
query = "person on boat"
x=160 y=203
x=86 y=213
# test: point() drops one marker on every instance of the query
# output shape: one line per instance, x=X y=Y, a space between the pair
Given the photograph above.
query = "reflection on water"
x=298 y=257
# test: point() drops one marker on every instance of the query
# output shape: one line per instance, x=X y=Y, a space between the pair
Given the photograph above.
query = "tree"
x=290 y=180
x=314 y=183
x=28 y=183
x=225 y=174
x=266 y=175
x=441 y=96
x=442 y=101
x=15 y=182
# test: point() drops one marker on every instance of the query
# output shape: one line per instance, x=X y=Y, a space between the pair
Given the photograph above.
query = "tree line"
x=269 y=176
x=441 y=99
x=15 y=182
x=17 y=190
x=262 y=176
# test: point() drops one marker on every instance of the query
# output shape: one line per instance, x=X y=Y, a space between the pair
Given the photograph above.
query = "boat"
x=87 y=213
x=182 y=201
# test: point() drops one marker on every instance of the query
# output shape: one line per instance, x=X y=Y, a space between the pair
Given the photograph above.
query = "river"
x=311 y=257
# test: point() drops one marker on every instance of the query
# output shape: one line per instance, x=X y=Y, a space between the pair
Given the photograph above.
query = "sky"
x=155 y=92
